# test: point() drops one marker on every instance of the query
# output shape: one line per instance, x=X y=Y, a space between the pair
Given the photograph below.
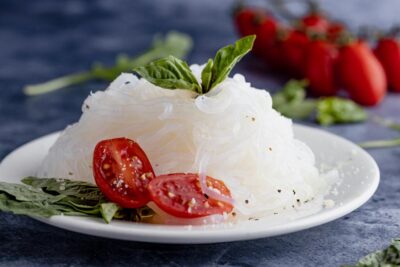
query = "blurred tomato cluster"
x=325 y=53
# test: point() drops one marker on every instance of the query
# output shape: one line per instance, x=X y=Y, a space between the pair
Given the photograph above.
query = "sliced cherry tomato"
x=122 y=171
x=180 y=195
x=319 y=67
x=388 y=53
x=361 y=74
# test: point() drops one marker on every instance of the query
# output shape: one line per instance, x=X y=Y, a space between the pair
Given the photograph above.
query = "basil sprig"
x=291 y=101
x=389 y=257
x=45 y=197
x=173 y=73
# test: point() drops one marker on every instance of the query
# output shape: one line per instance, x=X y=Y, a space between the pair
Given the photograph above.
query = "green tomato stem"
x=381 y=143
x=58 y=83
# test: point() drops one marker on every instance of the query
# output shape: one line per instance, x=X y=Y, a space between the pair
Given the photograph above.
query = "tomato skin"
x=246 y=21
x=361 y=74
x=174 y=194
x=319 y=67
x=266 y=35
x=122 y=171
x=293 y=52
x=314 y=23
x=388 y=53
x=334 y=31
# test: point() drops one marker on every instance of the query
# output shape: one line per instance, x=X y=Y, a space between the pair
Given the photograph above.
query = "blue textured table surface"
x=44 y=39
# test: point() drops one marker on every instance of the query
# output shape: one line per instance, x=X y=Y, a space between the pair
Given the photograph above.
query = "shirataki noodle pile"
x=231 y=133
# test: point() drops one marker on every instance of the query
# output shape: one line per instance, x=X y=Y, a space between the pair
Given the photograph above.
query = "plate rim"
x=158 y=233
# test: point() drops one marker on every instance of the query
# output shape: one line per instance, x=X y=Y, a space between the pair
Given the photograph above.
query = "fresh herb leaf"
x=206 y=74
x=387 y=123
x=381 y=143
x=46 y=197
x=291 y=100
x=175 y=44
x=389 y=257
x=108 y=211
x=170 y=73
x=333 y=110
x=224 y=61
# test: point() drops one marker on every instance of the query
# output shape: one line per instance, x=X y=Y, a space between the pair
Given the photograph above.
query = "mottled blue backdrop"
x=40 y=40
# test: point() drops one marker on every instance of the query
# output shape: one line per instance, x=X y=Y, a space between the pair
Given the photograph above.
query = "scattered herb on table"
x=45 y=197
x=384 y=143
x=174 y=43
x=291 y=101
x=331 y=110
x=389 y=257
x=173 y=73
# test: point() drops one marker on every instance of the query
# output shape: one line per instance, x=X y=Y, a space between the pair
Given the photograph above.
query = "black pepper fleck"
x=279 y=190
x=294 y=192
x=246 y=201
x=206 y=196
x=127 y=82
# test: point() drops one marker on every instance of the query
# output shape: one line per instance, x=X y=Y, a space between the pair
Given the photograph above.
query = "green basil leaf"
x=333 y=110
x=108 y=211
x=226 y=58
x=291 y=101
x=170 y=73
x=206 y=74
x=49 y=196
x=389 y=257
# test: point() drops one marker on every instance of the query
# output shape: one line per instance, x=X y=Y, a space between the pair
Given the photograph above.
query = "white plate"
x=360 y=175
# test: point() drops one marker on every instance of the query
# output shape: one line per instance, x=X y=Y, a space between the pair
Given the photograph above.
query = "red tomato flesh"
x=123 y=172
x=180 y=195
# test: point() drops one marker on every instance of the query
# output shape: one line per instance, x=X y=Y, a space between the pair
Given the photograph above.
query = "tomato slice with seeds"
x=123 y=172
x=180 y=195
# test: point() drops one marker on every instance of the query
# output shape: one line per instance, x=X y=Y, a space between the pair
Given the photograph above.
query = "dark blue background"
x=40 y=40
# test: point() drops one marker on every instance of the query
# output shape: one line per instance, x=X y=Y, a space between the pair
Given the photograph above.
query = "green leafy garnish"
x=389 y=257
x=291 y=101
x=45 y=197
x=332 y=110
x=172 y=73
x=224 y=61
x=174 y=43
x=381 y=143
x=385 y=143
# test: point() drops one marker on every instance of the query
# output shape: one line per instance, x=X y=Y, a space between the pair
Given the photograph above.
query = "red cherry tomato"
x=388 y=53
x=319 y=68
x=246 y=21
x=293 y=48
x=335 y=30
x=266 y=35
x=122 y=171
x=180 y=195
x=361 y=74
x=314 y=23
